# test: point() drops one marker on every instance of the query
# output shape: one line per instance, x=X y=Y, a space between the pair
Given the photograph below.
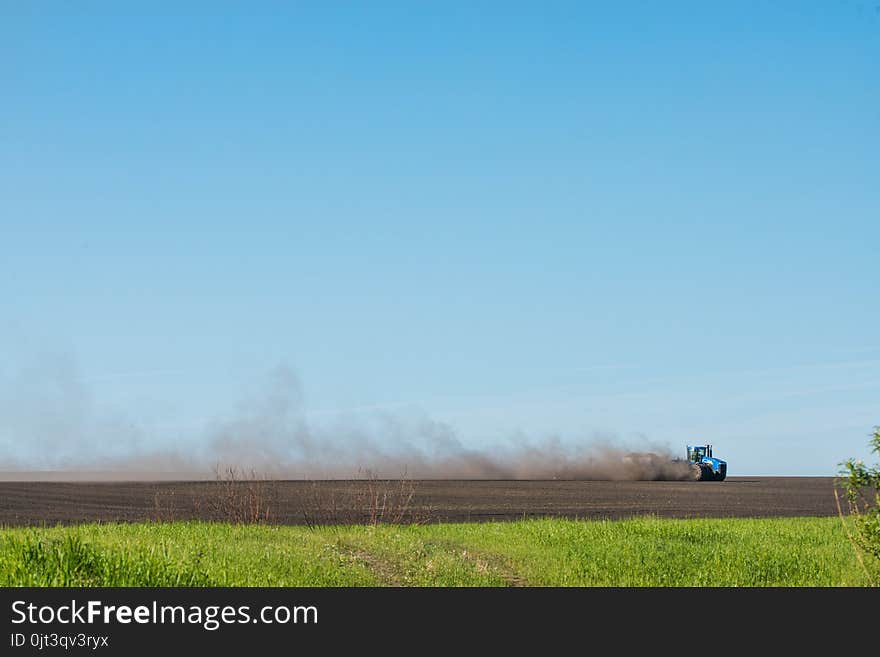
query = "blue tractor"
x=704 y=466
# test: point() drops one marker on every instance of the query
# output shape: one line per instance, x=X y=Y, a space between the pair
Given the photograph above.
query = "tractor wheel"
x=698 y=473
x=721 y=476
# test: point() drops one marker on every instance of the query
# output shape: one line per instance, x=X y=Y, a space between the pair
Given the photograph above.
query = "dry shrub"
x=239 y=496
x=166 y=507
x=372 y=501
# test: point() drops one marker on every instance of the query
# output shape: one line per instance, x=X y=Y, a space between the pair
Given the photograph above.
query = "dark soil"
x=322 y=502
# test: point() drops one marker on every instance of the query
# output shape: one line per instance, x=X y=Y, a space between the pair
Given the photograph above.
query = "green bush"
x=862 y=485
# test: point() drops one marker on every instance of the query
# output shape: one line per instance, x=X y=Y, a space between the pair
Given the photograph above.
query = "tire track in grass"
x=385 y=572
x=430 y=563
x=483 y=562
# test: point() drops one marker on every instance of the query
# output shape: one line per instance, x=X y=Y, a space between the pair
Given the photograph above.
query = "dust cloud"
x=54 y=429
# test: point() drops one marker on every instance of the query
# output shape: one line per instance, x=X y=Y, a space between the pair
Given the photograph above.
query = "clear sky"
x=634 y=221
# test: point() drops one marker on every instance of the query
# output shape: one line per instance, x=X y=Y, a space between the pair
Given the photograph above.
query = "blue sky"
x=635 y=221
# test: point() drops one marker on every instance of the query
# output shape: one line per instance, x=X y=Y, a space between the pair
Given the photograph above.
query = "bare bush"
x=387 y=501
x=165 y=506
x=375 y=501
x=239 y=496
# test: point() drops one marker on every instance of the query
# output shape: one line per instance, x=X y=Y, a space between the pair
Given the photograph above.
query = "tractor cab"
x=696 y=453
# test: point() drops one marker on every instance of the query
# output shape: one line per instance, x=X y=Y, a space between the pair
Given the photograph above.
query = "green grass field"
x=551 y=552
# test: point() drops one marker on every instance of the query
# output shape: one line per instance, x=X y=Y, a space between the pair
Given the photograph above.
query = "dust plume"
x=53 y=425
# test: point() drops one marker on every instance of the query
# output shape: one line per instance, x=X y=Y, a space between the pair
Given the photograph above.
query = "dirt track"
x=300 y=502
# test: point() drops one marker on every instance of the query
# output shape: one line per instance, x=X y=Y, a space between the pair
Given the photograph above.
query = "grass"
x=550 y=552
